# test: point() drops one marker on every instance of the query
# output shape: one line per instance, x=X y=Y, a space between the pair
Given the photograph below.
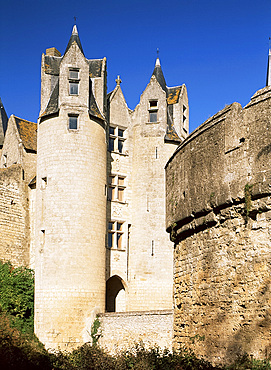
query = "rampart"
x=219 y=216
x=14 y=216
x=123 y=330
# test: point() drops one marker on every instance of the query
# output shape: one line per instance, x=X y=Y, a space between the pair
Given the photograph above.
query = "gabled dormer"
x=72 y=80
x=163 y=110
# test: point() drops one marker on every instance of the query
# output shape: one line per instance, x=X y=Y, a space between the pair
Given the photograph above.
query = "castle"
x=218 y=194
x=82 y=202
x=82 y=195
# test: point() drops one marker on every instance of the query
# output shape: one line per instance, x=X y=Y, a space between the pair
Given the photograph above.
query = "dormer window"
x=73 y=121
x=74 y=74
x=153 y=110
x=74 y=81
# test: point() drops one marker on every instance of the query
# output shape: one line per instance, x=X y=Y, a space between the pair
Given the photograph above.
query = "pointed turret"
x=3 y=123
x=158 y=73
x=74 y=37
x=268 y=75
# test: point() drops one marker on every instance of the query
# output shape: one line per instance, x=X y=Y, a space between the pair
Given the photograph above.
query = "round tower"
x=71 y=199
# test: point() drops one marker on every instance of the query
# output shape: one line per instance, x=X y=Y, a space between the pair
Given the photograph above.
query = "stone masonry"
x=219 y=216
x=90 y=199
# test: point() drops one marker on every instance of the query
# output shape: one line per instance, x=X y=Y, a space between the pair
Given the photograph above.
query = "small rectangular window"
x=153 y=116
x=120 y=146
x=111 y=130
x=74 y=88
x=153 y=104
x=110 y=240
x=73 y=122
x=116 y=188
x=120 y=133
x=74 y=74
x=121 y=181
x=153 y=109
x=111 y=144
x=120 y=195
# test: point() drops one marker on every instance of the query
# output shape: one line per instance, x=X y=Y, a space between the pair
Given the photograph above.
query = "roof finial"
x=157 y=59
x=118 y=81
x=74 y=30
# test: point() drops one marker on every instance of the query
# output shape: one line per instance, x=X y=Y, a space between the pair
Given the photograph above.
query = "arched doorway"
x=115 y=295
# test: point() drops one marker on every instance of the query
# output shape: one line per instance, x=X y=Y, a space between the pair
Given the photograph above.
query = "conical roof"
x=3 y=123
x=158 y=73
x=74 y=37
x=268 y=75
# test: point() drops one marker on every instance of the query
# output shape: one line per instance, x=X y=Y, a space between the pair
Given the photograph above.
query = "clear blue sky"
x=217 y=48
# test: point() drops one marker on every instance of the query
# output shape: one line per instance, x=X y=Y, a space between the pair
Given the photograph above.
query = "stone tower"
x=160 y=123
x=71 y=197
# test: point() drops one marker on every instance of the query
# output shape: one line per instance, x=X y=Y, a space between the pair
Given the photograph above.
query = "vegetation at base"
x=17 y=296
x=21 y=350
x=17 y=351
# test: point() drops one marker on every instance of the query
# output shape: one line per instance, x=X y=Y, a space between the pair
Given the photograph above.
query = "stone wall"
x=14 y=217
x=218 y=214
x=121 y=331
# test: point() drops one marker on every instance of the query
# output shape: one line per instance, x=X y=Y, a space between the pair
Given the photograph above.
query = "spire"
x=158 y=73
x=74 y=37
x=3 y=123
x=268 y=75
x=74 y=30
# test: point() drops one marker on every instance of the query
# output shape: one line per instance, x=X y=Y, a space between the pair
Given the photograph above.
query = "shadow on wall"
x=115 y=295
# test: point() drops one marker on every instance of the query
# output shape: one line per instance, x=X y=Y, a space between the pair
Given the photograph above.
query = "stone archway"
x=115 y=295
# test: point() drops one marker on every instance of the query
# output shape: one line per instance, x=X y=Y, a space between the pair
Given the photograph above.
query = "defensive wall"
x=218 y=188
x=14 y=216
x=122 y=330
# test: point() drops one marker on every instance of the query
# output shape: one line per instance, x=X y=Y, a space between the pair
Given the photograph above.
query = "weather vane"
x=75 y=19
x=157 y=51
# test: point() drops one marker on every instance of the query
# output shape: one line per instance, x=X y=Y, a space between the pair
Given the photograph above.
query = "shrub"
x=17 y=295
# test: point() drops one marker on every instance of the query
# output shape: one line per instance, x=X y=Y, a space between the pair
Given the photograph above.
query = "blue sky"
x=217 y=48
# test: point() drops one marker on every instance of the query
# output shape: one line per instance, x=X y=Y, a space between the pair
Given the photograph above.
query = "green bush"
x=17 y=295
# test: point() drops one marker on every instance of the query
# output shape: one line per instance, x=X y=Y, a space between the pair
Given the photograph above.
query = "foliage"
x=96 y=331
x=244 y=362
x=19 y=351
x=17 y=295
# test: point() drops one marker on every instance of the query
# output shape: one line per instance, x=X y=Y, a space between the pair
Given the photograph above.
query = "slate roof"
x=3 y=123
x=93 y=107
x=173 y=94
x=171 y=134
x=268 y=75
x=158 y=73
x=52 y=65
x=28 y=133
x=74 y=38
x=95 y=67
x=52 y=106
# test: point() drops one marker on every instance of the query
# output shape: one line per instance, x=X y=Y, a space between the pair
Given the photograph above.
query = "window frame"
x=70 y=116
x=153 y=110
x=116 y=234
x=115 y=188
x=74 y=81
x=116 y=141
